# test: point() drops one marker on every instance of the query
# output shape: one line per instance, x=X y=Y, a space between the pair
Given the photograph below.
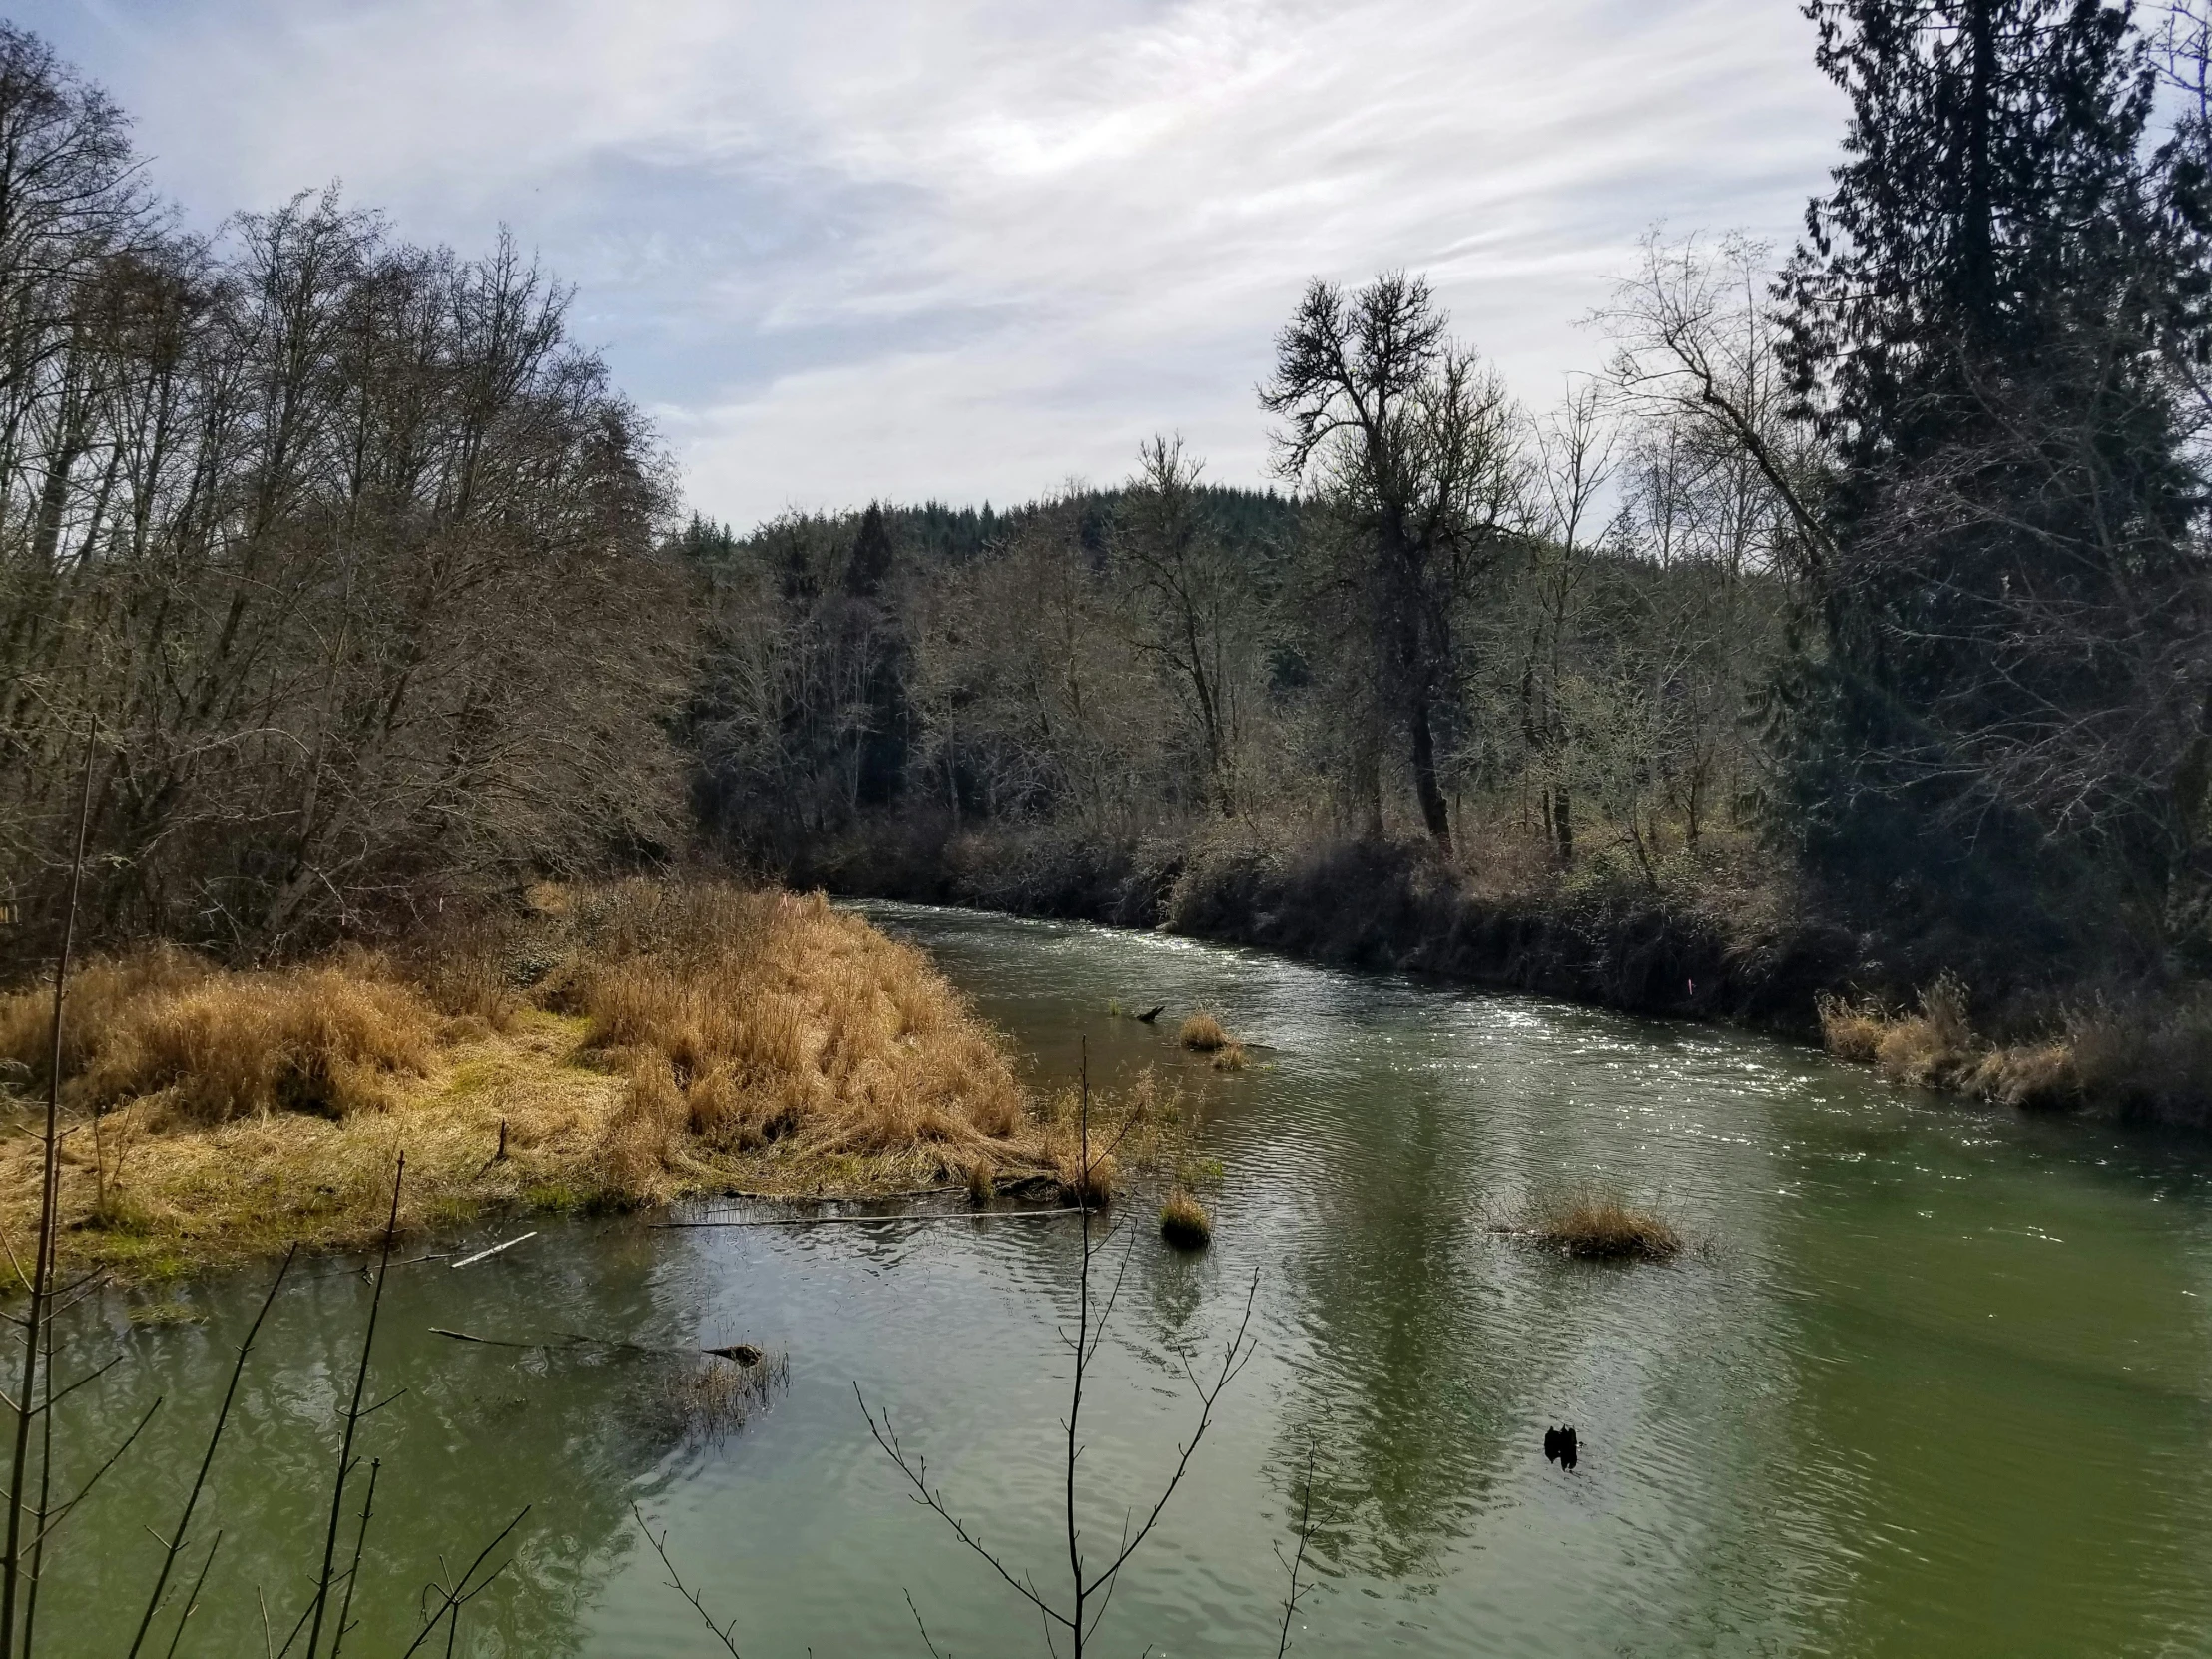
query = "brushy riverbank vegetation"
x=606 y=1046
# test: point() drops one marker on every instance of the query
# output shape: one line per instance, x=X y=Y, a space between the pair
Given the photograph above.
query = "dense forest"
x=1847 y=632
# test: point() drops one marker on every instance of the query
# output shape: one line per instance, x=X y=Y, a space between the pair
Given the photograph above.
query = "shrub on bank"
x=2142 y=1057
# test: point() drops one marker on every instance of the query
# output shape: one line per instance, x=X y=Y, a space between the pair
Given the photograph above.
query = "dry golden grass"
x=329 y=1040
x=633 y=1043
x=1183 y=1222
x=1936 y=1047
x=1933 y=1047
x=1202 y=1034
x=1230 y=1056
x=1852 y=1030
x=1600 y=1226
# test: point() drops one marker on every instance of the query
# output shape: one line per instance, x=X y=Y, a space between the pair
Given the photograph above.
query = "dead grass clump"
x=1202 y=1034
x=2031 y=1076
x=711 y=1398
x=1600 y=1226
x=1230 y=1056
x=1089 y=1182
x=1936 y=1047
x=1851 y=1029
x=1183 y=1222
x=2153 y=1061
x=641 y=1136
x=218 y=1045
x=101 y=992
x=659 y=1041
x=1138 y=1126
x=154 y=1315
x=786 y=1018
x=479 y=969
x=1933 y=1048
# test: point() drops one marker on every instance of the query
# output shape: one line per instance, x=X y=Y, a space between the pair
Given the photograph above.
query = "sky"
x=978 y=250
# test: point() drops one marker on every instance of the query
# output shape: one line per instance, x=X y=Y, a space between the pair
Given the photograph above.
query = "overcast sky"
x=975 y=249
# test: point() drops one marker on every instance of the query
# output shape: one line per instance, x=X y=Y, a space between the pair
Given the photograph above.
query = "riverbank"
x=1723 y=932
x=591 y=1048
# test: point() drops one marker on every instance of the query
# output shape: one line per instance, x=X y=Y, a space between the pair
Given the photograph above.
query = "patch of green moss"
x=472 y=1079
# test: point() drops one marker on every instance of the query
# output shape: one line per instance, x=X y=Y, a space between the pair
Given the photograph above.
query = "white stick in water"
x=494 y=1250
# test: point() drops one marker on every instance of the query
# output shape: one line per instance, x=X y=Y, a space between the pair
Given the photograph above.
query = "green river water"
x=1934 y=1379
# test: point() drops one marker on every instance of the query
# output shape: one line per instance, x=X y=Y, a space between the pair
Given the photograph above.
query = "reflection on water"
x=1934 y=1379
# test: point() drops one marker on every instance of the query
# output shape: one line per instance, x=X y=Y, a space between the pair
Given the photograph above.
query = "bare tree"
x=1195 y=610
x=1412 y=441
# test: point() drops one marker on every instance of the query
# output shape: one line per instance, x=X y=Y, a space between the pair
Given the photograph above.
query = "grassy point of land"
x=606 y=1049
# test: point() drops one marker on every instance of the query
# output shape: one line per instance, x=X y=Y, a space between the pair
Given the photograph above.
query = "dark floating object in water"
x=1152 y=1014
x=1559 y=1447
x=744 y=1353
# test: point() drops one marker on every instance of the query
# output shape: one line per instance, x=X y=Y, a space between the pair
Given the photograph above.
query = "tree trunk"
x=1424 y=775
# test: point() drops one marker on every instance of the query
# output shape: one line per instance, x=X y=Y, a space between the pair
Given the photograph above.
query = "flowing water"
x=1933 y=1379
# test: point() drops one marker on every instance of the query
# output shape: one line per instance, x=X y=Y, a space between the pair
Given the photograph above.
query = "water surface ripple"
x=1934 y=1379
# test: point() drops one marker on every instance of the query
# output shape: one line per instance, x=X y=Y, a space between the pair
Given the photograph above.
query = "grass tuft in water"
x=712 y=1397
x=1183 y=1222
x=1202 y=1034
x=154 y=1315
x=1601 y=1227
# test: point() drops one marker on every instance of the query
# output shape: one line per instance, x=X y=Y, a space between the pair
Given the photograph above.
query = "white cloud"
x=970 y=249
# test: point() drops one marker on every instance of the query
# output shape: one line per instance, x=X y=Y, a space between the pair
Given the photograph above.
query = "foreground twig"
x=353 y=1573
x=42 y=1267
x=1298 y=1560
x=207 y=1460
x=45 y=1499
x=354 y=1417
x=192 y=1601
x=458 y=1595
x=1090 y=1593
x=676 y=1583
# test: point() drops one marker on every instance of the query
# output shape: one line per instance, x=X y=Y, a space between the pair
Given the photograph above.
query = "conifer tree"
x=1973 y=323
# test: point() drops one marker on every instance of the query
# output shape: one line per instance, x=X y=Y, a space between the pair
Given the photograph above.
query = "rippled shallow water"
x=1935 y=1379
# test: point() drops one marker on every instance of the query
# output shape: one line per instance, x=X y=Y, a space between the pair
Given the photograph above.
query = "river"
x=1932 y=1378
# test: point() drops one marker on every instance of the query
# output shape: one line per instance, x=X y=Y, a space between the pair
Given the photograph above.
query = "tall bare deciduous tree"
x=1196 y=612
x=1412 y=441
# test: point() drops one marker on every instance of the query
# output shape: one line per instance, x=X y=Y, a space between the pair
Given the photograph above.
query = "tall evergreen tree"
x=1973 y=319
